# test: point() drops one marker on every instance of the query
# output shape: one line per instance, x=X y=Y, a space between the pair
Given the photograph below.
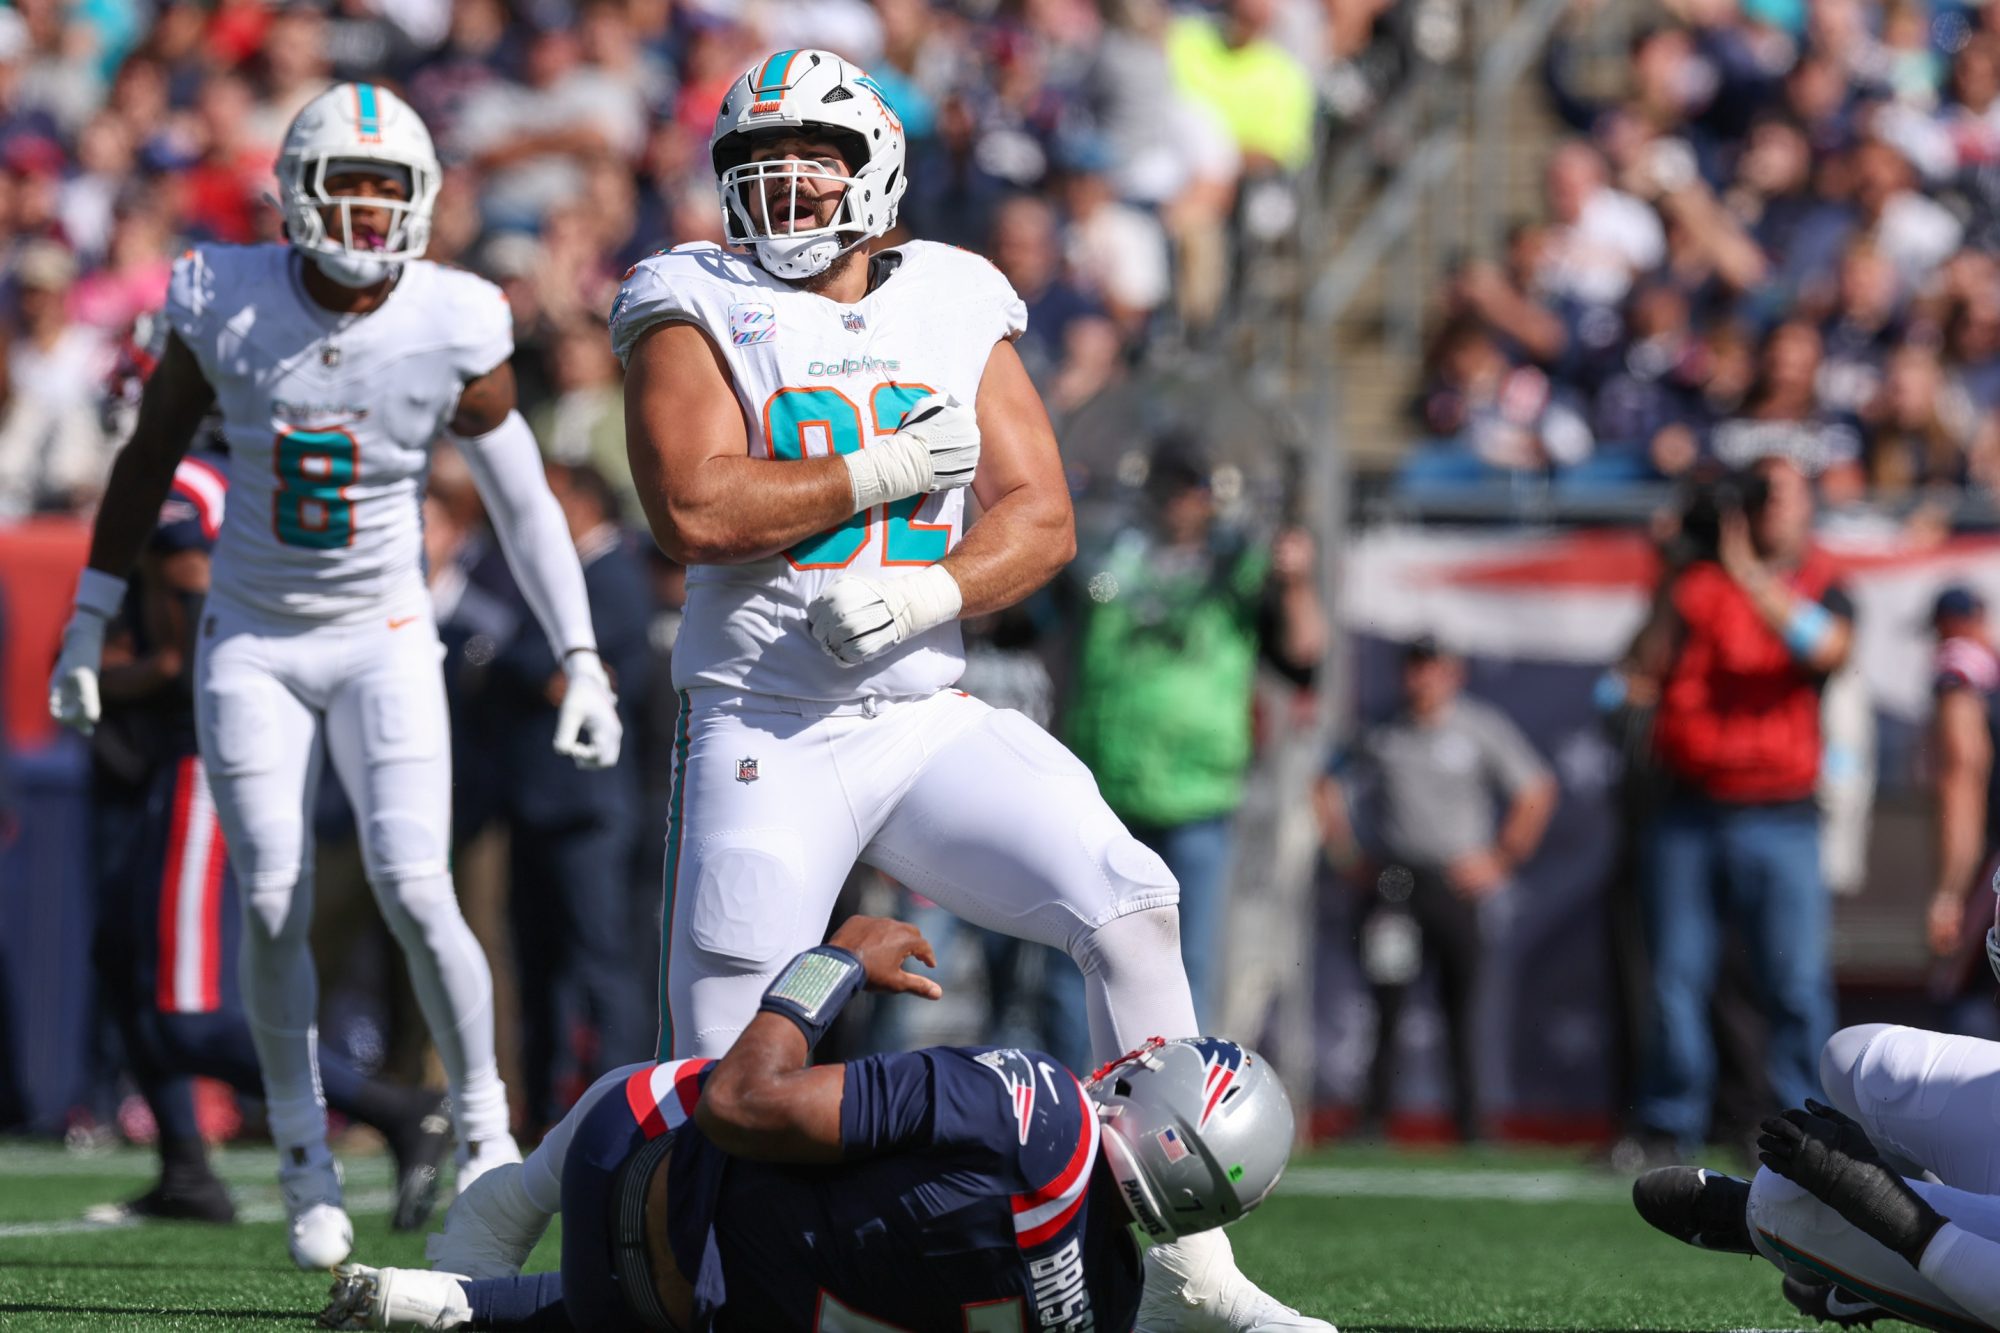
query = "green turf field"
x=1371 y=1239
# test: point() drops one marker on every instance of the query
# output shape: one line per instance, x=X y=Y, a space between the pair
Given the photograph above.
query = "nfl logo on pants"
x=746 y=770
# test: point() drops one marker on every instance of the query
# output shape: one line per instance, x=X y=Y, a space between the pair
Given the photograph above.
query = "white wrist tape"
x=894 y=468
x=99 y=593
x=924 y=600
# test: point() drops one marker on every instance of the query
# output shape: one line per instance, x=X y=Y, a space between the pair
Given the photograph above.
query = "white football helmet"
x=357 y=126
x=811 y=92
x=1196 y=1131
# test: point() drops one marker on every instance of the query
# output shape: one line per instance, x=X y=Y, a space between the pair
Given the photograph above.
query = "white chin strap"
x=798 y=256
x=354 y=270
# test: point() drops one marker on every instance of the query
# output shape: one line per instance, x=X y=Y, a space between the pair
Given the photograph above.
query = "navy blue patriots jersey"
x=971 y=1200
x=144 y=733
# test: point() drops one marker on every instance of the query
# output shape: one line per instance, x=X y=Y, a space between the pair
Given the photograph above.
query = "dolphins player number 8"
x=310 y=507
x=793 y=417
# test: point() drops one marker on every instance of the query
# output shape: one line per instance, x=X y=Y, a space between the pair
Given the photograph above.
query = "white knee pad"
x=1838 y=1061
x=1139 y=942
x=404 y=847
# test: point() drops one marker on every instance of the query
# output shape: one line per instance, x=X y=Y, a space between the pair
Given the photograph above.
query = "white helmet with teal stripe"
x=357 y=128
x=817 y=94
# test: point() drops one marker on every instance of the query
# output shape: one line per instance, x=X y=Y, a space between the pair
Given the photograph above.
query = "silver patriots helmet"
x=1196 y=1131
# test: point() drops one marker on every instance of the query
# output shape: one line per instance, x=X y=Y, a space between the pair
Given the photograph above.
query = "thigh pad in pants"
x=1006 y=828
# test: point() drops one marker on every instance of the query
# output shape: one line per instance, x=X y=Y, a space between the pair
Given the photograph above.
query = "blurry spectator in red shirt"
x=219 y=193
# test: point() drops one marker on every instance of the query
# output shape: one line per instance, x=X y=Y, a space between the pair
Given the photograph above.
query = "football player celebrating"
x=334 y=361
x=943 y=1189
x=805 y=422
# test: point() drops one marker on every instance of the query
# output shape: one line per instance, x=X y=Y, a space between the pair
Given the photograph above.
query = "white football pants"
x=976 y=808
x=264 y=688
x=1931 y=1103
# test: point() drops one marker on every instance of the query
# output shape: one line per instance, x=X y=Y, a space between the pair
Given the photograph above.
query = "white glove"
x=858 y=618
x=73 y=697
x=588 y=704
x=935 y=448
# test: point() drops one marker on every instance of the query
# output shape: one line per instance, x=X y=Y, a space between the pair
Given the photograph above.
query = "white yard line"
x=247 y=1165
x=1388 y=1182
x=359 y=1202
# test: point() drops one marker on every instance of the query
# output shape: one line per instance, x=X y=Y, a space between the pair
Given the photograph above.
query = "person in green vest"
x=1176 y=611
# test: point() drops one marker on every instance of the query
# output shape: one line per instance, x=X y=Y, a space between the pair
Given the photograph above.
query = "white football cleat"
x=1194 y=1286
x=396 y=1298
x=491 y=1228
x=478 y=1156
x=320 y=1235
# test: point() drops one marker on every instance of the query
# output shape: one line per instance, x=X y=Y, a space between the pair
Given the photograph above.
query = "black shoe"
x=200 y=1198
x=1703 y=1208
x=420 y=1151
x=1830 y=1304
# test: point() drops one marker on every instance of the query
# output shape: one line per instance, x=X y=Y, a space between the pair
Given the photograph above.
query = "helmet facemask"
x=762 y=202
x=345 y=258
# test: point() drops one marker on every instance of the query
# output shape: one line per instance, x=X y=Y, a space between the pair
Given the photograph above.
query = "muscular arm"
x=1027 y=531
x=707 y=501
x=499 y=450
x=171 y=603
x=175 y=399
x=762 y=1102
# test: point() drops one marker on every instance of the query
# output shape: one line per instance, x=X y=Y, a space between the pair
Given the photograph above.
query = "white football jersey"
x=815 y=376
x=329 y=420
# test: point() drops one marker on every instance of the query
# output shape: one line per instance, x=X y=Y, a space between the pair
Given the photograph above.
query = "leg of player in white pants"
x=756 y=856
x=1005 y=828
x=494 y=1225
x=1927 y=1101
x=261 y=695
x=260 y=744
x=386 y=728
x=1807 y=1239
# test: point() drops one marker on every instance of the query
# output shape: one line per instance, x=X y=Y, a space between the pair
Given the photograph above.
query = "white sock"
x=1134 y=982
x=281 y=999
x=454 y=987
x=541 y=1175
x=1196 y=1263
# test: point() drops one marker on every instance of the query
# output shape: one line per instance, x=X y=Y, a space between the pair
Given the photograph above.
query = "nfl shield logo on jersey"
x=851 y=321
x=752 y=323
x=746 y=770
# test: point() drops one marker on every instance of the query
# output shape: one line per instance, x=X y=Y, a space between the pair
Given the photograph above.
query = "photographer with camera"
x=1740 y=642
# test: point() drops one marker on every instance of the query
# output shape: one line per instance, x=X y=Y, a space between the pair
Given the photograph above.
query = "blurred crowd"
x=1780 y=238
x=1114 y=157
x=1121 y=161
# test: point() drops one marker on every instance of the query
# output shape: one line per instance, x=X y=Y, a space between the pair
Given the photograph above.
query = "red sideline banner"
x=1579 y=595
x=39 y=561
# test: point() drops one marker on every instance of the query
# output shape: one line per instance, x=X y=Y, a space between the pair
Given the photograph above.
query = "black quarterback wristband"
x=813 y=988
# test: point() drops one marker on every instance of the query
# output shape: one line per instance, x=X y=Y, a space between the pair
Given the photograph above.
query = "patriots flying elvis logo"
x=1017 y=1072
x=1222 y=1061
